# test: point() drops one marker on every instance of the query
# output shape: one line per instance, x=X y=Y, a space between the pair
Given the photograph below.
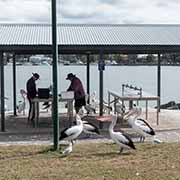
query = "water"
x=114 y=77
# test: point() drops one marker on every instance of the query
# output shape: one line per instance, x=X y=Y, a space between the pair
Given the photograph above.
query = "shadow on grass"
x=112 y=154
x=20 y=155
x=49 y=151
x=98 y=155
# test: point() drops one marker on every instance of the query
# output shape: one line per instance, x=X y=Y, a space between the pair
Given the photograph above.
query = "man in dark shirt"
x=79 y=94
x=31 y=93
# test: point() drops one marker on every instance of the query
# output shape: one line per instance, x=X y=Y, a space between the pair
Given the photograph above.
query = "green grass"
x=91 y=161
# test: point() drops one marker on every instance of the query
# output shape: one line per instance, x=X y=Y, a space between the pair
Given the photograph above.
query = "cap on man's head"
x=36 y=75
x=70 y=75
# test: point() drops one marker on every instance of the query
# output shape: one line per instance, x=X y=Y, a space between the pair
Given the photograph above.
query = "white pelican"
x=120 y=138
x=90 y=128
x=68 y=150
x=139 y=124
x=70 y=134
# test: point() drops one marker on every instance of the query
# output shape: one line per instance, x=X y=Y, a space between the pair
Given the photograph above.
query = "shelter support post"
x=101 y=66
x=2 y=92
x=88 y=75
x=14 y=85
x=159 y=82
x=55 y=82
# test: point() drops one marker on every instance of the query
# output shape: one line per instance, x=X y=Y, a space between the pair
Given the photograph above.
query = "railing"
x=135 y=88
x=117 y=97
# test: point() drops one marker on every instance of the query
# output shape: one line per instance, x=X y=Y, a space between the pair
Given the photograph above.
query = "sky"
x=92 y=11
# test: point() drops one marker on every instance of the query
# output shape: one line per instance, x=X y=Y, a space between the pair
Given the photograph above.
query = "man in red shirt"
x=79 y=94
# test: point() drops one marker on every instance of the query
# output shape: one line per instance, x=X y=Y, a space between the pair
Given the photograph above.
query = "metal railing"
x=113 y=98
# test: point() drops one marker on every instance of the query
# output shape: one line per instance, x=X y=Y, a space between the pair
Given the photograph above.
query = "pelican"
x=68 y=150
x=90 y=128
x=120 y=138
x=139 y=124
x=70 y=134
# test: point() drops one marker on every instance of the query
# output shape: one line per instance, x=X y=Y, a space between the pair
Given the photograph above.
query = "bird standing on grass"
x=120 y=138
x=139 y=125
x=68 y=150
x=70 y=134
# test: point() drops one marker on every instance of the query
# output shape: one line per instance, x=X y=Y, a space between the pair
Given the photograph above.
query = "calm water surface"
x=114 y=77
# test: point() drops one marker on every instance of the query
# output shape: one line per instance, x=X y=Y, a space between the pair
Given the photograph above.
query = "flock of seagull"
x=122 y=139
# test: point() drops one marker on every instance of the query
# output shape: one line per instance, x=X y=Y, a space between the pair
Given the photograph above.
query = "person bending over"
x=79 y=94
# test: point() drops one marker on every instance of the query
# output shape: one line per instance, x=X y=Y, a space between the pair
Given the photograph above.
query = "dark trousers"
x=79 y=103
x=31 y=113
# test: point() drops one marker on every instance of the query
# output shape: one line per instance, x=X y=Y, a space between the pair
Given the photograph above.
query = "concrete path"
x=19 y=132
x=166 y=136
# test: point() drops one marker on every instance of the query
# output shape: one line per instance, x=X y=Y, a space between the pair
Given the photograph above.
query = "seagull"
x=138 y=124
x=94 y=104
x=70 y=134
x=106 y=107
x=90 y=109
x=22 y=104
x=68 y=150
x=120 y=138
x=119 y=108
x=90 y=128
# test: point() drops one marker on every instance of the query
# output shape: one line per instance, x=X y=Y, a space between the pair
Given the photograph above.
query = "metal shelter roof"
x=82 y=38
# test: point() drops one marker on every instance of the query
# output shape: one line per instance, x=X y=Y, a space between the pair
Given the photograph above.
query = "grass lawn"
x=91 y=161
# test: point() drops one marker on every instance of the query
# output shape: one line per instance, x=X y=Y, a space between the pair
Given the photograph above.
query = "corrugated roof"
x=90 y=34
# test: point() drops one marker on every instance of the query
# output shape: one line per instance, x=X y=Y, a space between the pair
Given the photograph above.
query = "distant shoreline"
x=125 y=65
x=93 y=64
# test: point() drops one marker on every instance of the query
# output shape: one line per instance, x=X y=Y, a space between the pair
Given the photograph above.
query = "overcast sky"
x=92 y=11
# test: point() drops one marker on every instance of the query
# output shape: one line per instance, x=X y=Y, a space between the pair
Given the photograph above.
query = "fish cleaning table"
x=37 y=100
